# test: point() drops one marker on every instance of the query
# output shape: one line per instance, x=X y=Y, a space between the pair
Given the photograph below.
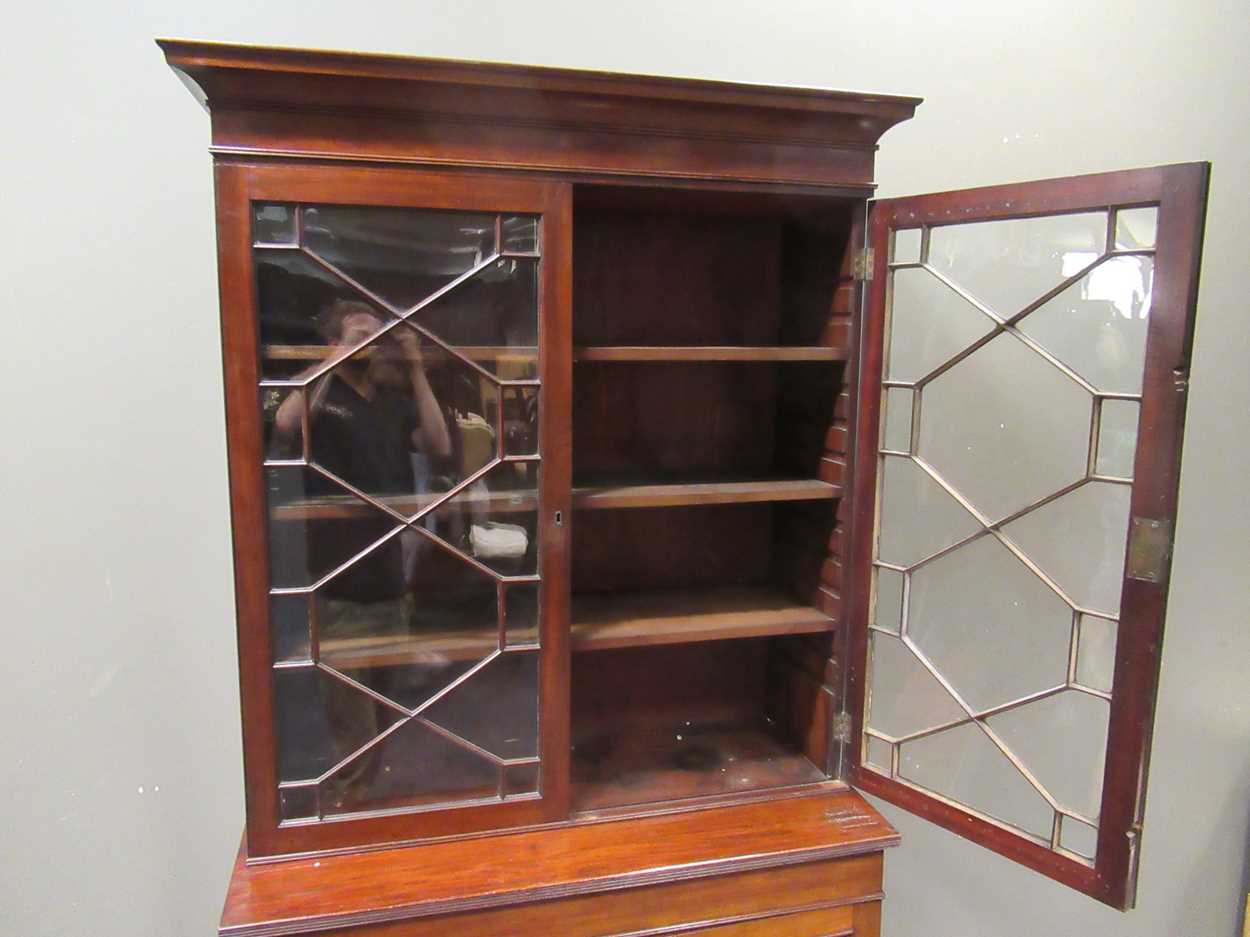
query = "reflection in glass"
x=289 y=636
x=888 y=605
x=321 y=721
x=297 y=803
x=1135 y=228
x=414 y=765
x=918 y=518
x=905 y=246
x=520 y=234
x=1097 y=326
x=1095 y=654
x=273 y=224
x=1117 y=438
x=497 y=708
x=1005 y=427
x=1079 y=540
x=905 y=696
x=990 y=626
x=404 y=649
x=964 y=765
x=1008 y=264
x=411 y=702
x=400 y=254
x=521 y=614
x=1062 y=740
x=495 y=520
x=897 y=433
x=520 y=779
x=929 y=322
x=491 y=317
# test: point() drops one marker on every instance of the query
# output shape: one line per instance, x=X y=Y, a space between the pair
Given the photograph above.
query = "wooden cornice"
x=294 y=102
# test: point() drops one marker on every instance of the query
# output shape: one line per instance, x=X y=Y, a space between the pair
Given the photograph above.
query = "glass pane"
x=402 y=611
x=414 y=765
x=1062 y=741
x=1079 y=540
x=288 y=628
x=878 y=754
x=1135 y=228
x=521 y=614
x=410 y=646
x=1095 y=653
x=1078 y=837
x=918 y=518
x=929 y=322
x=300 y=318
x=273 y=224
x=1005 y=428
x=897 y=433
x=492 y=319
x=888 y=605
x=520 y=779
x=1008 y=264
x=320 y=721
x=520 y=420
x=905 y=697
x=965 y=766
x=496 y=708
x=297 y=803
x=905 y=246
x=401 y=254
x=495 y=520
x=1097 y=326
x=989 y=625
x=316 y=525
x=1117 y=438
x=520 y=234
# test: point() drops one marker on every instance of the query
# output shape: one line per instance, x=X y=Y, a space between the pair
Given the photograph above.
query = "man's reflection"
x=374 y=422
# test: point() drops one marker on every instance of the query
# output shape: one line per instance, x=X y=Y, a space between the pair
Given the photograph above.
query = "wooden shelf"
x=528 y=354
x=709 y=353
x=510 y=353
x=585 y=497
x=606 y=621
x=624 y=764
x=632 y=495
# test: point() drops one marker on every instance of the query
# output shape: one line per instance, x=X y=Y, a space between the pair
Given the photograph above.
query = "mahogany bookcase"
x=617 y=490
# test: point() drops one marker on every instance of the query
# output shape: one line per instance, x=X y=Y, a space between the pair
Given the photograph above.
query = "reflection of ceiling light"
x=1125 y=282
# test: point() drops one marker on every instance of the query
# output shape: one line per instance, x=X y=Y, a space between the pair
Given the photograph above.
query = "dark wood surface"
x=1180 y=192
x=311 y=104
x=591 y=859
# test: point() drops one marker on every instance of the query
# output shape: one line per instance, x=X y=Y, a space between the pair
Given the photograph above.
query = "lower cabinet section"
x=799 y=867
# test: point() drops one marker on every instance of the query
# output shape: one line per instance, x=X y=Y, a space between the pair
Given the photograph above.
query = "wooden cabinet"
x=615 y=489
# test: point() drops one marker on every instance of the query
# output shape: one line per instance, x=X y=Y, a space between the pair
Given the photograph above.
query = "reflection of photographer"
x=366 y=417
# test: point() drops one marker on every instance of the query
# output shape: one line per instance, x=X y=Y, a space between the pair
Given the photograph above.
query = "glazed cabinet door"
x=397 y=362
x=1025 y=365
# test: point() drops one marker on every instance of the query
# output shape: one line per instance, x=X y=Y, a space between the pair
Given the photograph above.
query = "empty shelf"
x=604 y=621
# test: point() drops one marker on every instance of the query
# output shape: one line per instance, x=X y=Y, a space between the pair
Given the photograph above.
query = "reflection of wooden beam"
x=519 y=353
x=339 y=507
x=709 y=353
x=429 y=648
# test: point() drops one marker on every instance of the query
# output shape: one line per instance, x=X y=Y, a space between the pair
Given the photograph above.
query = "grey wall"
x=121 y=797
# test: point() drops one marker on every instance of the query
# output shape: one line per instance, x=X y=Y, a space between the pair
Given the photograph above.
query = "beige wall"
x=121 y=772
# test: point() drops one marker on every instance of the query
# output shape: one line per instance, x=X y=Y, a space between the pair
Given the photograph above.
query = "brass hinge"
x=862 y=266
x=842 y=728
x=1149 y=549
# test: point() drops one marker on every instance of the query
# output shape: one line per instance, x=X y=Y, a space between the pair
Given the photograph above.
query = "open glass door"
x=1021 y=403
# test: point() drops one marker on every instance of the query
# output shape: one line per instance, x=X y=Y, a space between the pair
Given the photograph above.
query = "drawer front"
x=818 y=898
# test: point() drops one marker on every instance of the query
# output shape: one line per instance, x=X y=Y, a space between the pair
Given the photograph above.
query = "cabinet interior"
x=707 y=440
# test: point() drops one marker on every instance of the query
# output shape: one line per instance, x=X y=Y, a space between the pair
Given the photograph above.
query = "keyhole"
x=559 y=518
